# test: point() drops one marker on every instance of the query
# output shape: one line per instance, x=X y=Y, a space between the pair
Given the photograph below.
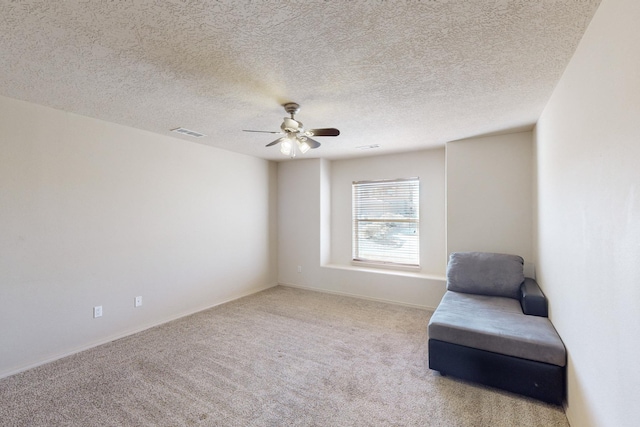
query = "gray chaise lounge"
x=491 y=327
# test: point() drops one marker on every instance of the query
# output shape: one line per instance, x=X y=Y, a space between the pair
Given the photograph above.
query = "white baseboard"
x=365 y=297
x=127 y=333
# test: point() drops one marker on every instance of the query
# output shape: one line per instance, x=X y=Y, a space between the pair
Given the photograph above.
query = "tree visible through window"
x=386 y=221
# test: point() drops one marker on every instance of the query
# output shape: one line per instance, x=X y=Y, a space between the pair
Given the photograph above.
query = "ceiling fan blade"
x=276 y=141
x=311 y=142
x=323 y=132
x=261 y=131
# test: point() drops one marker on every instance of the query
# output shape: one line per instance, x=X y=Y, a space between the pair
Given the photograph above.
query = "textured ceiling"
x=402 y=74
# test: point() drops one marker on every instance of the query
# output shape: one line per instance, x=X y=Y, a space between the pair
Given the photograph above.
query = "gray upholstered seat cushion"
x=498 y=325
x=485 y=273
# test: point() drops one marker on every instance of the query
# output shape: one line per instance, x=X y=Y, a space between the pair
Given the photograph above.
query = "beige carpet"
x=283 y=357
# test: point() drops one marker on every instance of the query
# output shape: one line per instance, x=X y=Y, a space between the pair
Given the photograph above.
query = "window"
x=386 y=222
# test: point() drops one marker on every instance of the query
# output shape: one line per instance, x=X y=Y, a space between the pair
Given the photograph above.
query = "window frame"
x=413 y=191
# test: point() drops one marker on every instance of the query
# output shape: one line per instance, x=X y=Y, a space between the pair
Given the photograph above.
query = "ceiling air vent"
x=368 y=147
x=188 y=132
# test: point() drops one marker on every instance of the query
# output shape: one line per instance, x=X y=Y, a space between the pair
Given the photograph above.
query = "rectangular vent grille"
x=368 y=147
x=188 y=132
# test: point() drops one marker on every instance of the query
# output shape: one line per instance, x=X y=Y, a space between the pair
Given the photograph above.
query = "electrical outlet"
x=97 y=311
x=299 y=269
x=137 y=302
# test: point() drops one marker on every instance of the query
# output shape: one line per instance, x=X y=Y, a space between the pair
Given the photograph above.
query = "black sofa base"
x=538 y=380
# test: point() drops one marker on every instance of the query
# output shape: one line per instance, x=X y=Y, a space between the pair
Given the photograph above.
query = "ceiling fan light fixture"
x=286 y=147
x=303 y=146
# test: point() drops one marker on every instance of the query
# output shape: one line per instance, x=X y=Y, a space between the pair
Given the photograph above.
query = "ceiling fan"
x=296 y=137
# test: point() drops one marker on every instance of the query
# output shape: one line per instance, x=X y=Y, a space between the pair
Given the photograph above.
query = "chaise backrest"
x=485 y=273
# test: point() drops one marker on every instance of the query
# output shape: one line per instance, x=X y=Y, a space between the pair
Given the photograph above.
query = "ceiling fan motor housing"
x=291 y=125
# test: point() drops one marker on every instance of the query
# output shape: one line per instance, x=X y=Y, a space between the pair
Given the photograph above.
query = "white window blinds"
x=386 y=221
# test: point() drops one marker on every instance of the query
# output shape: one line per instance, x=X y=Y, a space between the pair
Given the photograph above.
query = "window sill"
x=385 y=266
x=389 y=271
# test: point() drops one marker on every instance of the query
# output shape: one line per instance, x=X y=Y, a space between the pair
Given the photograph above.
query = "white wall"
x=428 y=165
x=299 y=221
x=93 y=213
x=588 y=234
x=489 y=195
x=316 y=194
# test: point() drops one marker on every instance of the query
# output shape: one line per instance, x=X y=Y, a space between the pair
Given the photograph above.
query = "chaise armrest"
x=532 y=299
